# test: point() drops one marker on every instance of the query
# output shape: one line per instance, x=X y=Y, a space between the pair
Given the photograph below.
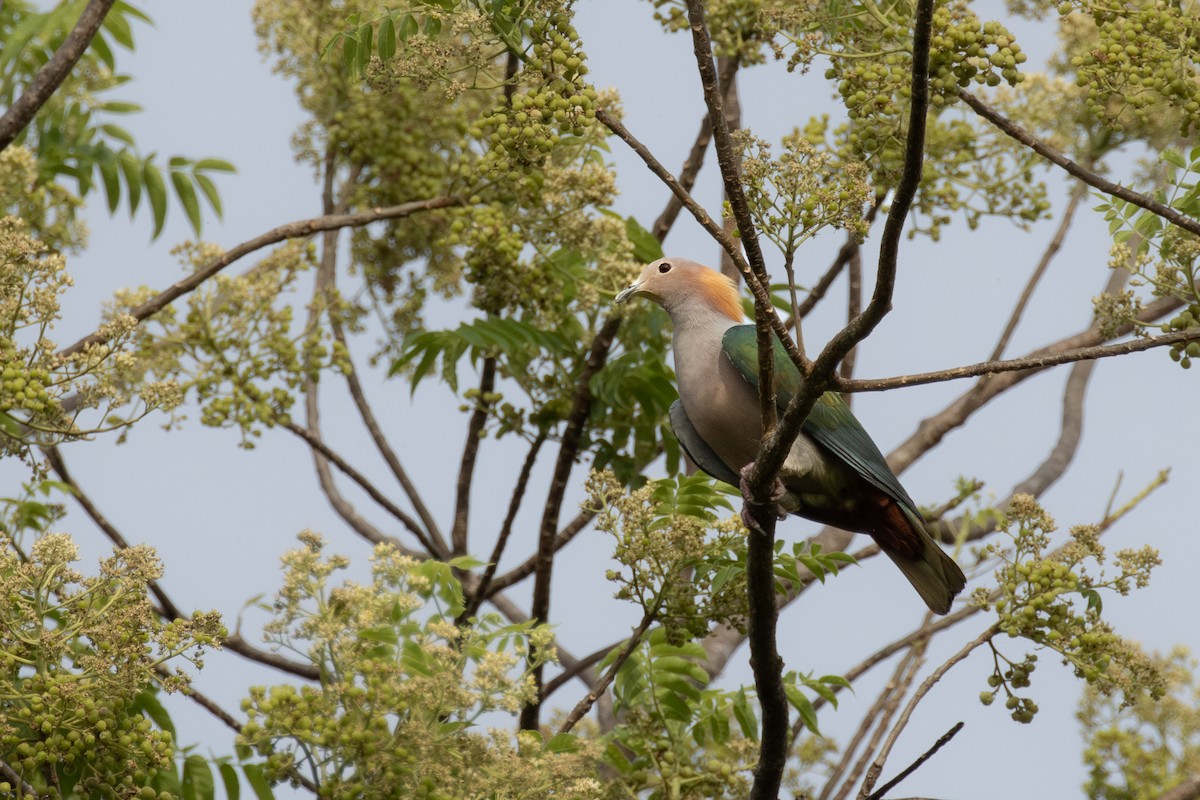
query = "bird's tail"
x=934 y=574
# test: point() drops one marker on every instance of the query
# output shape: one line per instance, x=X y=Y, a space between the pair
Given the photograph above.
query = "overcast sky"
x=220 y=516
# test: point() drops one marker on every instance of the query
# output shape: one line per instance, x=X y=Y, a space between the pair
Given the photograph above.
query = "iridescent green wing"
x=830 y=423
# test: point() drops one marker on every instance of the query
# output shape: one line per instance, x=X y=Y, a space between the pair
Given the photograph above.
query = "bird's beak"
x=627 y=292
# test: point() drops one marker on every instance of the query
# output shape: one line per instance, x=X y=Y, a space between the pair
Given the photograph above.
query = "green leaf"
x=646 y=248
x=1174 y=158
x=408 y=26
x=147 y=703
x=349 y=52
x=156 y=192
x=233 y=789
x=131 y=168
x=118 y=133
x=364 y=47
x=214 y=165
x=116 y=107
x=803 y=706
x=100 y=47
x=197 y=778
x=387 y=39
x=745 y=716
x=119 y=27
x=561 y=743
x=466 y=562
x=258 y=782
x=210 y=192
x=110 y=175
x=682 y=666
x=186 y=193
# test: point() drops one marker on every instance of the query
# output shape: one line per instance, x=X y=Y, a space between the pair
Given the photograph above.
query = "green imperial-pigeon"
x=834 y=474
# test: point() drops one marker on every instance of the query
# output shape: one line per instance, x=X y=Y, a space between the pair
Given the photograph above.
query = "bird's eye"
x=664 y=267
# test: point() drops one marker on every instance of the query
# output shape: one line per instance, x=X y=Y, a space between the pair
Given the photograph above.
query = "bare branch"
x=922 y=690
x=694 y=161
x=584 y=705
x=591 y=659
x=899 y=686
x=238 y=644
x=53 y=72
x=466 y=470
x=853 y=309
x=567 y=453
x=319 y=446
x=385 y=448
x=15 y=778
x=1056 y=242
x=54 y=456
x=514 y=505
x=1028 y=363
x=1079 y=171
x=292 y=230
x=1188 y=790
x=913 y=767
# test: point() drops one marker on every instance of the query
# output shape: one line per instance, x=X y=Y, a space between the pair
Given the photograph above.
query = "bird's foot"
x=778 y=492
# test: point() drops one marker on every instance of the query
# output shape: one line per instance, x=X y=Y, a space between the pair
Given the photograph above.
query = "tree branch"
x=568 y=450
x=693 y=162
x=514 y=505
x=913 y=767
x=1077 y=194
x=584 y=705
x=1040 y=361
x=53 y=72
x=1082 y=173
x=292 y=230
x=385 y=448
x=466 y=470
x=318 y=445
x=922 y=690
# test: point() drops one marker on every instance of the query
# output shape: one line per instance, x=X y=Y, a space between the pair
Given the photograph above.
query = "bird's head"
x=675 y=283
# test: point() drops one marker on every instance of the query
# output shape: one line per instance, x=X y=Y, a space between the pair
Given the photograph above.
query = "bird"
x=834 y=473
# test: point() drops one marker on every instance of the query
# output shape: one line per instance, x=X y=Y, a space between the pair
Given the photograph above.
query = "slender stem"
x=514 y=505
x=584 y=705
x=1079 y=171
x=385 y=448
x=529 y=565
x=292 y=230
x=53 y=72
x=1077 y=193
x=318 y=444
x=466 y=471
x=1032 y=362
x=942 y=741
x=922 y=690
x=567 y=453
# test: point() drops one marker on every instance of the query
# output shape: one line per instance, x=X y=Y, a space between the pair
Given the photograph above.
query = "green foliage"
x=396 y=712
x=35 y=378
x=1053 y=599
x=1142 y=750
x=79 y=660
x=74 y=135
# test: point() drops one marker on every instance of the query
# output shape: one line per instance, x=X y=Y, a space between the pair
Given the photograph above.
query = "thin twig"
x=54 y=456
x=317 y=444
x=568 y=451
x=385 y=449
x=928 y=754
x=1028 y=363
x=1056 y=242
x=53 y=72
x=292 y=230
x=886 y=696
x=1079 y=171
x=853 y=309
x=480 y=594
x=922 y=690
x=15 y=777
x=466 y=470
x=584 y=705
x=694 y=161
x=562 y=678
